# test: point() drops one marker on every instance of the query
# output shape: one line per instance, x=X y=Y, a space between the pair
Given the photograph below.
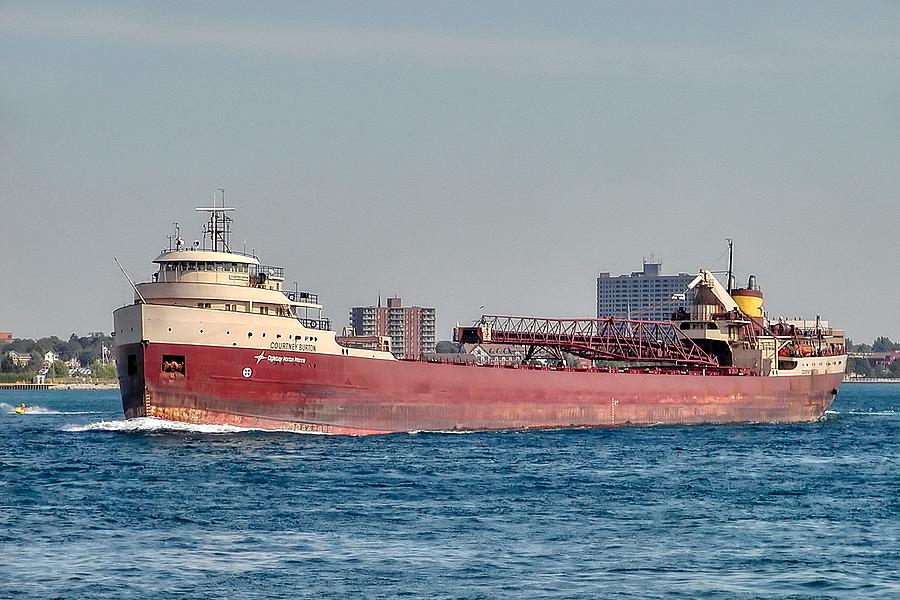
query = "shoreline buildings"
x=645 y=295
x=411 y=328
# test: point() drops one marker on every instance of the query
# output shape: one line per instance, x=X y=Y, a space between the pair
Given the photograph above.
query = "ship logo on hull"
x=278 y=358
x=247 y=372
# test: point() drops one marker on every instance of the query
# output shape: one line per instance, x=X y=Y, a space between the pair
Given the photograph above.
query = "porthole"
x=278 y=336
x=201 y=331
x=264 y=335
x=227 y=333
x=170 y=329
x=249 y=334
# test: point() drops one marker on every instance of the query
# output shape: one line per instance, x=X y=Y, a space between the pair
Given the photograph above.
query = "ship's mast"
x=730 y=281
x=219 y=226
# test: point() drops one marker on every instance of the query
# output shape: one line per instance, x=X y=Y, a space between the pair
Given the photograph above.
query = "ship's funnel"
x=749 y=299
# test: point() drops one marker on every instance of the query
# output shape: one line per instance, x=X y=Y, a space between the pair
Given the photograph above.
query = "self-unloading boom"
x=608 y=338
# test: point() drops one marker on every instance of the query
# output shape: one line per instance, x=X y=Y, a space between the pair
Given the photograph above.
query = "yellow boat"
x=20 y=409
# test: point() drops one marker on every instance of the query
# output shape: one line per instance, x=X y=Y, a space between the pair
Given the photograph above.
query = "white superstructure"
x=210 y=295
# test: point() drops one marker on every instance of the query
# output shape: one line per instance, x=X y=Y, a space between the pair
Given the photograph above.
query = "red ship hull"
x=344 y=395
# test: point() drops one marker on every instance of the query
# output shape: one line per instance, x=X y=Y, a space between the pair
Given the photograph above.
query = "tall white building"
x=643 y=295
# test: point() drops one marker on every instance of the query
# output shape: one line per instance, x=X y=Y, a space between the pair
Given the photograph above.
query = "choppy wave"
x=152 y=424
x=155 y=425
x=862 y=413
x=442 y=431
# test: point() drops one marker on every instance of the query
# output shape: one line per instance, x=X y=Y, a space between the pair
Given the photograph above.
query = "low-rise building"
x=496 y=354
x=878 y=359
x=20 y=360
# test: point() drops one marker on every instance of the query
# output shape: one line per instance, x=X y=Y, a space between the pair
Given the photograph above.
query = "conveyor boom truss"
x=606 y=338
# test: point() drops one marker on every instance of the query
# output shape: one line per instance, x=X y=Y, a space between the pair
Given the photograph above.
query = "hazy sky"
x=457 y=154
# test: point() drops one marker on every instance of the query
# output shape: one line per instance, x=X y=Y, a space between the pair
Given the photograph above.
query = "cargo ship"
x=215 y=338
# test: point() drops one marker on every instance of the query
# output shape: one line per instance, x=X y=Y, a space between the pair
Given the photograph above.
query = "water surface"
x=92 y=506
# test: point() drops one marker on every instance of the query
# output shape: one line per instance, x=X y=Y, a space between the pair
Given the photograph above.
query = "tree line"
x=881 y=344
x=87 y=350
x=861 y=366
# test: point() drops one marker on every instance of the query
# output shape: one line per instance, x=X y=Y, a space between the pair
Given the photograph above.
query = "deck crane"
x=710 y=282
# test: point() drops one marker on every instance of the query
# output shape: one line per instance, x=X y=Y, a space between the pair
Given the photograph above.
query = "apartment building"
x=411 y=328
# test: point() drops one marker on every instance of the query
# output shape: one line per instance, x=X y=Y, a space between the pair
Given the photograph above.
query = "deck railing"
x=320 y=324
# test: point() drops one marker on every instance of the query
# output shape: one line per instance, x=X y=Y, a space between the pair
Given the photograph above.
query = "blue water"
x=91 y=506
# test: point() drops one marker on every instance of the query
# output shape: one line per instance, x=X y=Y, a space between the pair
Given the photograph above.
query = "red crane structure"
x=607 y=338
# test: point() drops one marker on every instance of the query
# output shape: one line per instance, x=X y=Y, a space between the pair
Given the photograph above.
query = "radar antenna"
x=219 y=226
x=176 y=238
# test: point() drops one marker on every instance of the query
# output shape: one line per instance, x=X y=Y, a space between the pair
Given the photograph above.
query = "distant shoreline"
x=85 y=386
x=103 y=385
x=871 y=380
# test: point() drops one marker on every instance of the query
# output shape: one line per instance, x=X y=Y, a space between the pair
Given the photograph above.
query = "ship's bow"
x=130 y=366
x=130 y=360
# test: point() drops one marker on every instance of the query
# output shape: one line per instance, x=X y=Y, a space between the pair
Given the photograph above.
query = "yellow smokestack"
x=749 y=299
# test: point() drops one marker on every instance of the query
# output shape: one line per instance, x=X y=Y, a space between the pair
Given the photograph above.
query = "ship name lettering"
x=292 y=346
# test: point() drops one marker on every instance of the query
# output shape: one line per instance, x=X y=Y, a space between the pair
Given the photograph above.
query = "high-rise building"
x=411 y=328
x=643 y=295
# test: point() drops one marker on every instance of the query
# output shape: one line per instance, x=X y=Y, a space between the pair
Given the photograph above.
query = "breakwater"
x=25 y=386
